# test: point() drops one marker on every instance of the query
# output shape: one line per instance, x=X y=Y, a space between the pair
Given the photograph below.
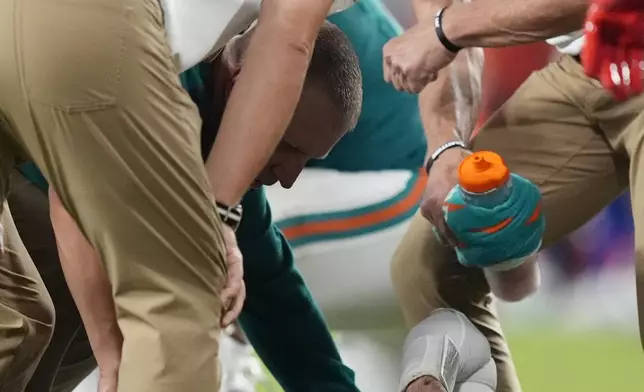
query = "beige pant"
x=564 y=132
x=89 y=91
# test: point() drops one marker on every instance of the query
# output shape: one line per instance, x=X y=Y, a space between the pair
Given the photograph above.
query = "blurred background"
x=580 y=332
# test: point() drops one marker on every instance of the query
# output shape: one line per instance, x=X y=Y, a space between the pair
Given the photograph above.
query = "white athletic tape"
x=482 y=381
x=448 y=347
x=427 y=355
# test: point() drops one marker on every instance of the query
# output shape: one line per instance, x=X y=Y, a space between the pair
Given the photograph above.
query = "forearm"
x=449 y=107
x=89 y=286
x=498 y=23
x=280 y=308
x=265 y=95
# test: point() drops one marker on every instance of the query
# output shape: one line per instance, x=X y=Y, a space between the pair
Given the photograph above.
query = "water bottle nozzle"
x=480 y=163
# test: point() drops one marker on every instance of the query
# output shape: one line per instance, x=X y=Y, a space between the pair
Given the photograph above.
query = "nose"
x=288 y=180
x=287 y=174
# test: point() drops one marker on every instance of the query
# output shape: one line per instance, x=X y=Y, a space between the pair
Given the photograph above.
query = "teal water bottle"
x=495 y=215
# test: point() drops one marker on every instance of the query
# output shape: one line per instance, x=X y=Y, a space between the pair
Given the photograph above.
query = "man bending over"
x=279 y=316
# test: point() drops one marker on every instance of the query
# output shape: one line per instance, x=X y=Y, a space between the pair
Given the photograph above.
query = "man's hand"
x=412 y=60
x=443 y=176
x=425 y=384
x=614 y=46
x=234 y=293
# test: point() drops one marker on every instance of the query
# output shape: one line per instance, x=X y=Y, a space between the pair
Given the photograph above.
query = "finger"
x=386 y=63
x=424 y=81
x=412 y=84
x=623 y=80
x=636 y=57
x=228 y=294
x=233 y=285
x=234 y=280
x=448 y=235
x=610 y=76
x=406 y=83
x=236 y=307
x=386 y=68
x=451 y=237
x=235 y=269
x=590 y=55
x=417 y=86
x=398 y=79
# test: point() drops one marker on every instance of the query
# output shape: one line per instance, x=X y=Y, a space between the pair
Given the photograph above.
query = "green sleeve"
x=33 y=174
x=280 y=317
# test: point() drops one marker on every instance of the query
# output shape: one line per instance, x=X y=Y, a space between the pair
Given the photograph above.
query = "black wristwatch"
x=230 y=216
x=438 y=28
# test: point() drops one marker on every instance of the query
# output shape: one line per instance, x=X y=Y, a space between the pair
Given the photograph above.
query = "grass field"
x=588 y=362
x=583 y=362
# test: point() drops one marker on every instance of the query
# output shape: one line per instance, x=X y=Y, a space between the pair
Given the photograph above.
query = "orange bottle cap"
x=482 y=171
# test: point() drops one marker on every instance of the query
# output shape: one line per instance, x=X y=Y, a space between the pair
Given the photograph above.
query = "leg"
x=118 y=139
x=427 y=277
x=280 y=317
x=443 y=341
x=68 y=359
x=623 y=124
x=577 y=172
x=26 y=310
x=635 y=147
x=30 y=209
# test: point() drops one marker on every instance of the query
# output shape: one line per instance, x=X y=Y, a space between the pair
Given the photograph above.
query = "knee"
x=484 y=380
x=426 y=277
x=447 y=347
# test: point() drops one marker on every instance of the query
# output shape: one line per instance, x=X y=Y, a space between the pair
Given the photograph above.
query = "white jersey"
x=568 y=43
x=198 y=28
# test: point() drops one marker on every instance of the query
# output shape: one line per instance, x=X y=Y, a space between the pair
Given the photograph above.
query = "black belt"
x=577 y=58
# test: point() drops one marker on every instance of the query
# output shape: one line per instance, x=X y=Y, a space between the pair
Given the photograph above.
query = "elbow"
x=516 y=284
x=514 y=294
x=291 y=26
x=300 y=48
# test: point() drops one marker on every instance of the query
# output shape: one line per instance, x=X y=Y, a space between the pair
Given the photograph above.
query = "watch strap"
x=438 y=27
x=230 y=216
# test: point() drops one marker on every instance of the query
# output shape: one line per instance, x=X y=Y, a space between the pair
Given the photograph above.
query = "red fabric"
x=614 y=47
x=505 y=70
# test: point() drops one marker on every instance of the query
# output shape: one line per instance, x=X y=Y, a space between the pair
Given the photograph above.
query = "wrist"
x=454 y=25
x=454 y=148
x=439 y=30
x=230 y=216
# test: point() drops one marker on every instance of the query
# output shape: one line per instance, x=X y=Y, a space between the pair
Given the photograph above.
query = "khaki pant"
x=562 y=131
x=68 y=358
x=89 y=91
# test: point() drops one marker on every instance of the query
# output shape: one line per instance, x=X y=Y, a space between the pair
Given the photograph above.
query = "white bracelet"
x=447 y=146
x=442 y=149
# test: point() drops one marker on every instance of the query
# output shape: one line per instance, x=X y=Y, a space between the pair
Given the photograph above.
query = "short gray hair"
x=335 y=66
